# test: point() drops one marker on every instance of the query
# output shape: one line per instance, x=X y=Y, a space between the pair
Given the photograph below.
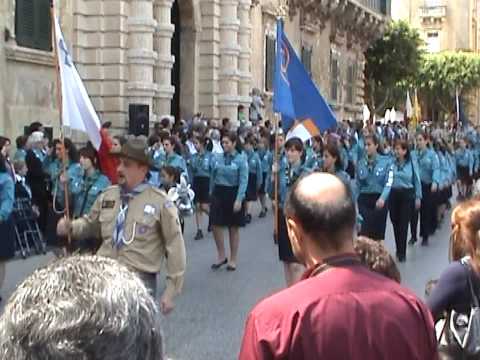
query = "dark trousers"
x=401 y=205
x=427 y=211
x=414 y=223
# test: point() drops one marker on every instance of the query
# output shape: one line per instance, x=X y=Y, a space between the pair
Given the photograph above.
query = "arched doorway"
x=186 y=18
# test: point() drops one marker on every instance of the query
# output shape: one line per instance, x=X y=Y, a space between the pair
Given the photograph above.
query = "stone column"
x=163 y=67
x=141 y=57
x=229 y=50
x=209 y=58
x=244 y=86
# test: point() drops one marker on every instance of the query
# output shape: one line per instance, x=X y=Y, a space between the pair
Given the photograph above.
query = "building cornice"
x=350 y=20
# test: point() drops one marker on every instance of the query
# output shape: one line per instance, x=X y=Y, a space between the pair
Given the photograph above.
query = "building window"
x=270 y=45
x=33 y=25
x=351 y=84
x=433 y=42
x=307 y=59
x=335 y=76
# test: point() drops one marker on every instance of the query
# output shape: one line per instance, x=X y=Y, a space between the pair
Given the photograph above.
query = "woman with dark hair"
x=73 y=174
x=117 y=142
x=374 y=179
x=86 y=189
x=228 y=185
x=7 y=196
x=173 y=155
x=200 y=167
x=290 y=171
x=405 y=197
x=255 y=175
x=332 y=162
x=429 y=169
x=453 y=291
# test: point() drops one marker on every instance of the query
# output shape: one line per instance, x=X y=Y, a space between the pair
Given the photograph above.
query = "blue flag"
x=295 y=96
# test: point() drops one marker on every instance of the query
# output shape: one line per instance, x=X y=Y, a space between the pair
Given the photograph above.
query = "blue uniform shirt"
x=75 y=173
x=375 y=176
x=7 y=196
x=429 y=166
x=86 y=191
x=178 y=162
x=288 y=175
x=255 y=166
x=230 y=170
x=20 y=154
x=406 y=175
x=158 y=158
x=465 y=158
x=200 y=164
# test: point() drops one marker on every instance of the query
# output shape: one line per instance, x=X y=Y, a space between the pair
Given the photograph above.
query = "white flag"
x=77 y=110
x=409 y=106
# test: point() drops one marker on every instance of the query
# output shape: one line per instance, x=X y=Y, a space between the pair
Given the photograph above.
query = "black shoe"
x=199 y=235
x=425 y=241
x=219 y=265
x=412 y=241
x=209 y=229
x=401 y=258
x=263 y=213
x=248 y=218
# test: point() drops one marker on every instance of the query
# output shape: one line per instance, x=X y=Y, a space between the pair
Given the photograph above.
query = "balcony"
x=433 y=13
x=378 y=6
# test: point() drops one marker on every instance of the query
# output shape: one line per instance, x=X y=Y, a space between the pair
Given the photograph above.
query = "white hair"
x=79 y=308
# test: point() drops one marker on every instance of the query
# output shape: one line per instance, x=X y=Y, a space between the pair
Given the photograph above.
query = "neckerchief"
x=118 y=238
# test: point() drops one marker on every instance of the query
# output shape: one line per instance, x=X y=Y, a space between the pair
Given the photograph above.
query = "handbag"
x=462 y=330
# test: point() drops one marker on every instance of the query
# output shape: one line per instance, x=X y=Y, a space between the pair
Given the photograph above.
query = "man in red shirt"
x=341 y=309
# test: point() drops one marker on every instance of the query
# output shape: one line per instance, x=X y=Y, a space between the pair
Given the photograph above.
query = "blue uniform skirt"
x=252 y=194
x=201 y=187
x=463 y=174
x=263 y=188
x=7 y=245
x=374 y=220
x=221 y=207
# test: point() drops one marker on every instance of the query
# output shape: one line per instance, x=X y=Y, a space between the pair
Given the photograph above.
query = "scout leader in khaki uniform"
x=138 y=225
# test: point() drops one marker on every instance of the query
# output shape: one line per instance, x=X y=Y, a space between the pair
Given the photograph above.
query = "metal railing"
x=439 y=11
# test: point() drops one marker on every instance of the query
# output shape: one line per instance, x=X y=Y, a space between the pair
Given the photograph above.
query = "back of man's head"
x=81 y=308
x=323 y=207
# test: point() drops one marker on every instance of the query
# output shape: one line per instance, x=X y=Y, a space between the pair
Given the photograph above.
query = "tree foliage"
x=392 y=63
x=441 y=75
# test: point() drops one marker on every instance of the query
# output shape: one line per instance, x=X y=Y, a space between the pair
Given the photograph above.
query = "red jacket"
x=108 y=162
x=345 y=313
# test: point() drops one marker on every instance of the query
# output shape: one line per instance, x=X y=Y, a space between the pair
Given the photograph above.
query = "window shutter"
x=33 y=24
x=25 y=22
x=43 y=38
x=270 y=62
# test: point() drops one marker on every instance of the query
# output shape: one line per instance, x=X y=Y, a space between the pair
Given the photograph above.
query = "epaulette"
x=159 y=191
x=109 y=188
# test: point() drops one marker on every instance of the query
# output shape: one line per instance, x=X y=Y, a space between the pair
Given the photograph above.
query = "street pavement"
x=208 y=321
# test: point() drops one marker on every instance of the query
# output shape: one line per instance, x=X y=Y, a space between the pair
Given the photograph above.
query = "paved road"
x=210 y=315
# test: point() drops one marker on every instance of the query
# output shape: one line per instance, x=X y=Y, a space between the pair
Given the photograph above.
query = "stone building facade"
x=183 y=56
x=445 y=25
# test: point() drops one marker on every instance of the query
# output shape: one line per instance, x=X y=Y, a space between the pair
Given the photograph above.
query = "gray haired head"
x=80 y=308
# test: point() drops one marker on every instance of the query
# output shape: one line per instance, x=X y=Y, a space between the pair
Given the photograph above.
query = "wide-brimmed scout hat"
x=136 y=148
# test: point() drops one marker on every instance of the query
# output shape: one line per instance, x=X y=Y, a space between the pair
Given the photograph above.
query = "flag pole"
x=60 y=108
x=275 y=179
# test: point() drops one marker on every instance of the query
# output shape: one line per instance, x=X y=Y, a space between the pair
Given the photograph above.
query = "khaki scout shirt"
x=152 y=233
